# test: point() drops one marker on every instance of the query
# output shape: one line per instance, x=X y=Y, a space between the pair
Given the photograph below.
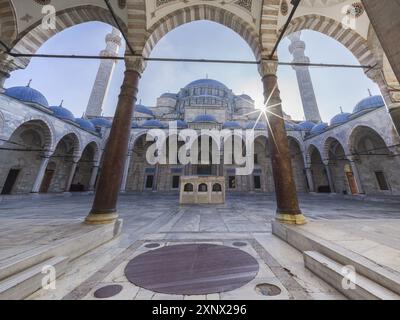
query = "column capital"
x=325 y=162
x=137 y=64
x=268 y=68
x=9 y=64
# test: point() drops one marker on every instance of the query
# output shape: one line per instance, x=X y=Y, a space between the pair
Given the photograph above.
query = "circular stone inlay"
x=152 y=245
x=239 y=244
x=108 y=291
x=192 y=269
x=267 y=289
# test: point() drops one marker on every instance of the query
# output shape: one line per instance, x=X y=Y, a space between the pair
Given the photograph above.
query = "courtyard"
x=155 y=220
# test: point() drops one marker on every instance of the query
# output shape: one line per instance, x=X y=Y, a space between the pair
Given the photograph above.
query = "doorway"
x=48 y=177
x=10 y=181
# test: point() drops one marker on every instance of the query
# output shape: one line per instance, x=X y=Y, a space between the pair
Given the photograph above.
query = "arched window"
x=217 y=187
x=202 y=187
x=188 y=187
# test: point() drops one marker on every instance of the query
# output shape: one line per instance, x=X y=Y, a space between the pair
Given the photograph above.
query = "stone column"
x=126 y=171
x=40 y=175
x=104 y=209
x=356 y=175
x=310 y=179
x=329 y=176
x=288 y=210
x=93 y=177
x=71 y=175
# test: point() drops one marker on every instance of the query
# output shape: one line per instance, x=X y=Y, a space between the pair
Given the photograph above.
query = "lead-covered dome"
x=143 y=109
x=231 y=125
x=319 y=128
x=152 y=124
x=340 y=118
x=306 y=125
x=62 y=113
x=27 y=95
x=85 y=124
x=258 y=126
x=101 y=122
x=369 y=103
x=207 y=83
x=205 y=118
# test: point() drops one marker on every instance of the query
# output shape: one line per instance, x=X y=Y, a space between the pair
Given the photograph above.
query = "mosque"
x=46 y=149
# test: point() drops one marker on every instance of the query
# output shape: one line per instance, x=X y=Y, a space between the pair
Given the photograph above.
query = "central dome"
x=207 y=83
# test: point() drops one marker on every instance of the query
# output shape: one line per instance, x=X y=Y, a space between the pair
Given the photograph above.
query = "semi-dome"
x=101 y=122
x=152 y=124
x=319 y=128
x=62 y=113
x=27 y=95
x=85 y=124
x=340 y=118
x=246 y=97
x=231 y=125
x=258 y=126
x=207 y=83
x=143 y=109
x=369 y=103
x=205 y=118
x=306 y=125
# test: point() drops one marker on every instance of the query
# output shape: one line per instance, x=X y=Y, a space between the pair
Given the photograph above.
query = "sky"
x=72 y=80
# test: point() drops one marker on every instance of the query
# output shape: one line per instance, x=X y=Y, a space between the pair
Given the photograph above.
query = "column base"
x=297 y=219
x=101 y=218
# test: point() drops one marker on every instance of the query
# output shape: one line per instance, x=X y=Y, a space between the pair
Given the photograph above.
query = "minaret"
x=306 y=88
x=101 y=85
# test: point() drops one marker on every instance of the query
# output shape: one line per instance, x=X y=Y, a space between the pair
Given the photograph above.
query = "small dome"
x=259 y=126
x=101 y=122
x=205 y=118
x=85 y=124
x=180 y=124
x=231 y=125
x=207 y=83
x=135 y=125
x=369 y=103
x=152 y=124
x=306 y=125
x=62 y=113
x=142 y=109
x=28 y=95
x=340 y=118
x=169 y=95
x=319 y=128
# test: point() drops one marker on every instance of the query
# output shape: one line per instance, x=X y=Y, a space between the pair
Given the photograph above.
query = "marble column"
x=104 y=209
x=40 y=175
x=329 y=176
x=126 y=171
x=93 y=177
x=71 y=176
x=310 y=179
x=356 y=175
x=288 y=210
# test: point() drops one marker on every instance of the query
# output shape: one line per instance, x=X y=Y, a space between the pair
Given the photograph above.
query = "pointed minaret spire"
x=101 y=85
x=369 y=92
x=310 y=106
x=29 y=83
x=341 y=110
x=61 y=103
